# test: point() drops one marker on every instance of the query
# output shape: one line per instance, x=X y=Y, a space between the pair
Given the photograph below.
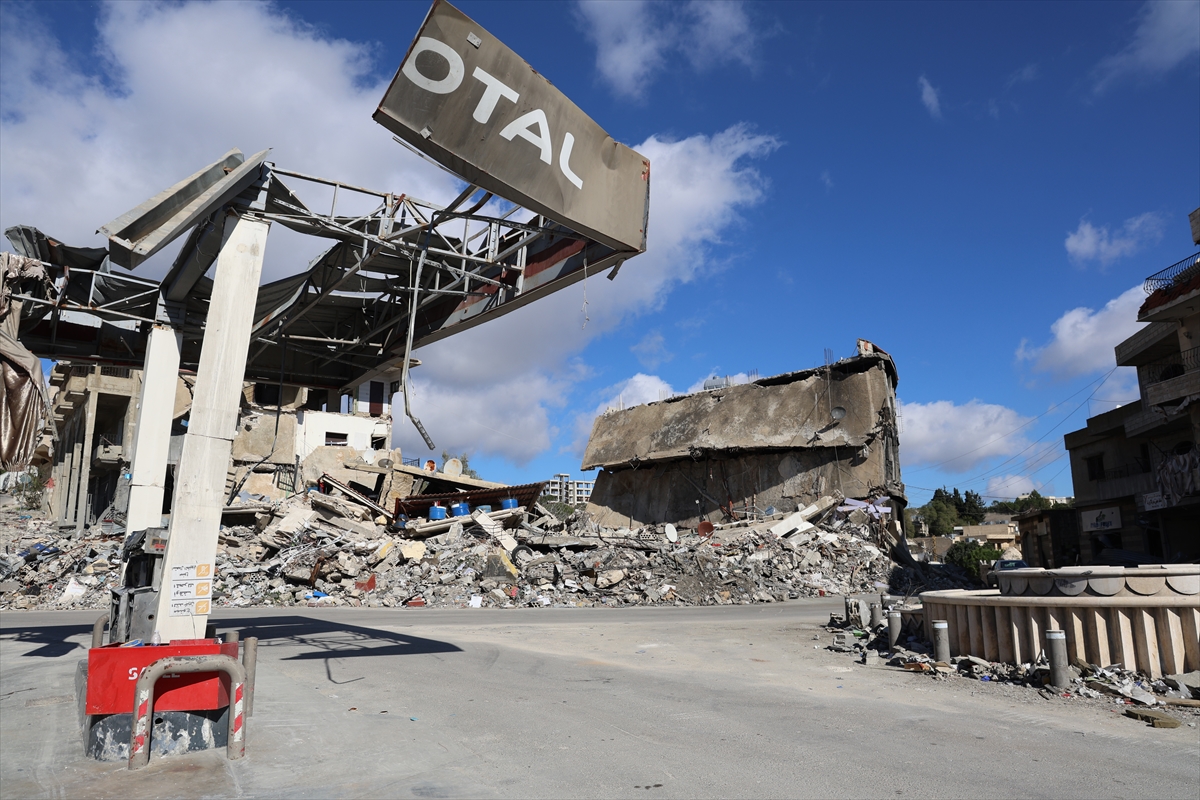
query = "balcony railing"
x=1173 y=275
x=1137 y=467
x=1170 y=367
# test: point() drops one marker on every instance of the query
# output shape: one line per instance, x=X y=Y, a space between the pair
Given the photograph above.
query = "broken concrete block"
x=381 y=552
x=410 y=550
x=1157 y=719
x=499 y=567
x=796 y=523
x=610 y=577
x=489 y=525
x=355 y=529
x=1187 y=682
x=281 y=531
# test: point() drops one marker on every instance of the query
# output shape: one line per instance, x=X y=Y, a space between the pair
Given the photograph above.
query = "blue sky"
x=980 y=189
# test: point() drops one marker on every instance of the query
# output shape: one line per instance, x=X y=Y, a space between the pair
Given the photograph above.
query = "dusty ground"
x=663 y=702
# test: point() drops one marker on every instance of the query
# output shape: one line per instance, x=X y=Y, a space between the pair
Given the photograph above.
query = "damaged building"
x=777 y=443
x=287 y=438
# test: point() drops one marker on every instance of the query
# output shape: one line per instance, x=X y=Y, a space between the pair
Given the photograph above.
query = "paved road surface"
x=653 y=702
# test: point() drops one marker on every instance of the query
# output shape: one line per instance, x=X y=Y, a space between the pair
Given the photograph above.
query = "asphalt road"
x=735 y=701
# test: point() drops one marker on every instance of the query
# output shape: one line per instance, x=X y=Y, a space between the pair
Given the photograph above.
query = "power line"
x=996 y=468
x=1053 y=407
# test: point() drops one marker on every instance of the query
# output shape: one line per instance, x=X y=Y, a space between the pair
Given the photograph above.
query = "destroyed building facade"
x=287 y=437
x=780 y=442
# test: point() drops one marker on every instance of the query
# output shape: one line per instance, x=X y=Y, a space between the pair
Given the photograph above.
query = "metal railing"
x=1173 y=275
x=1137 y=467
x=1170 y=367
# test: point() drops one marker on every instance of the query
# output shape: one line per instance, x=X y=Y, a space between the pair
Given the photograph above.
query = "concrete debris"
x=1157 y=719
x=321 y=549
x=869 y=646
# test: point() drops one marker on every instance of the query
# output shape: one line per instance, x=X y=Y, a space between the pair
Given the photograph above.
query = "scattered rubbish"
x=1157 y=719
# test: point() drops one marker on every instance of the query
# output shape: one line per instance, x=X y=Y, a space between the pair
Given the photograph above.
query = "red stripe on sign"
x=237 y=693
x=139 y=743
x=237 y=723
x=142 y=708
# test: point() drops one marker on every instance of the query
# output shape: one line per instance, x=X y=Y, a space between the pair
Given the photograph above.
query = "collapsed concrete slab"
x=781 y=442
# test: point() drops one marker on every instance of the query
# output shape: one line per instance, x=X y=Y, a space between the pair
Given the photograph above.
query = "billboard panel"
x=469 y=102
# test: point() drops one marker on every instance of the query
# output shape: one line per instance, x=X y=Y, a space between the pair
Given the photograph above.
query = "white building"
x=563 y=489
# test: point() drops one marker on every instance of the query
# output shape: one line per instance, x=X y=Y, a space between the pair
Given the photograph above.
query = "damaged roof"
x=846 y=404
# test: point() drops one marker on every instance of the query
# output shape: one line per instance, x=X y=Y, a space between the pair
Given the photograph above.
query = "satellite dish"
x=838 y=413
x=452 y=467
x=672 y=534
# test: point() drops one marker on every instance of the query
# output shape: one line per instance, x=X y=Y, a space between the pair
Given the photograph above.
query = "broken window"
x=336 y=439
x=394 y=388
x=1095 y=468
x=266 y=394
x=378 y=443
x=376 y=398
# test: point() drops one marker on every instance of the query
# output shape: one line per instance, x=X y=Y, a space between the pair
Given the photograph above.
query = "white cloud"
x=1091 y=243
x=634 y=39
x=1011 y=486
x=1084 y=338
x=652 y=350
x=930 y=97
x=962 y=435
x=700 y=183
x=716 y=32
x=1167 y=35
x=188 y=81
x=827 y=180
x=1025 y=74
x=634 y=391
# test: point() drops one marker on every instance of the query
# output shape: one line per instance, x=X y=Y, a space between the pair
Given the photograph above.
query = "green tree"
x=941 y=513
x=972 y=511
x=466 y=464
x=967 y=554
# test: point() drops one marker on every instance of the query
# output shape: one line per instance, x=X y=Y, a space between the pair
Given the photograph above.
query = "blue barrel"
x=484 y=509
x=508 y=502
x=460 y=510
x=437 y=512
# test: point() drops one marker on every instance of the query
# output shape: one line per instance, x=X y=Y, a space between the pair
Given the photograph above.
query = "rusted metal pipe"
x=98 y=630
x=250 y=663
x=143 y=702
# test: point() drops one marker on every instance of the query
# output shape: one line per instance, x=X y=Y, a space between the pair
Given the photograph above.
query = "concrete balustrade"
x=1158 y=634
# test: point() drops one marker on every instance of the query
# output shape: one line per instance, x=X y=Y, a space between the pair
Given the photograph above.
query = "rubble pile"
x=41 y=567
x=324 y=549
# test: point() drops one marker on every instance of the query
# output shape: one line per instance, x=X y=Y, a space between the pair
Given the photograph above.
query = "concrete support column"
x=85 y=466
x=58 y=509
x=188 y=570
x=152 y=433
